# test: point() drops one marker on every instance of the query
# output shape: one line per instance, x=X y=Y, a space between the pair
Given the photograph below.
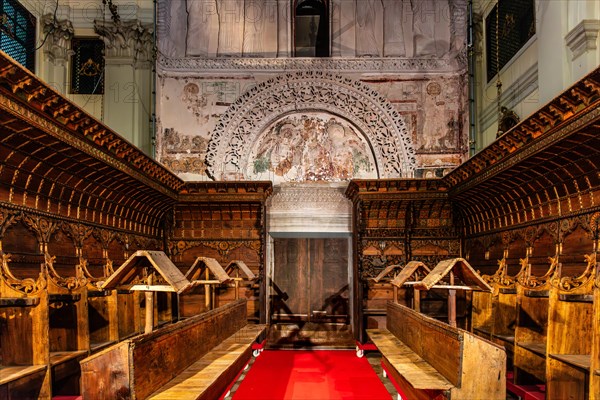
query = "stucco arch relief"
x=306 y=98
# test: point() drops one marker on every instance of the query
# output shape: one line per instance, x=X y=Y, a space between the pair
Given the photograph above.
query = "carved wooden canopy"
x=546 y=166
x=56 y=158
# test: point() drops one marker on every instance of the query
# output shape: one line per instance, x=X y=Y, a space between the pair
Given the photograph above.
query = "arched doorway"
x=311 y=28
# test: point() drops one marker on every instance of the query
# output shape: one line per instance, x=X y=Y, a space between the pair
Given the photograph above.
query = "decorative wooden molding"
x=226 y=191
x=583 y=281
x=224 y=247
x=47 y=110
x=26 y=286
x=540 y=283
x=69 y=283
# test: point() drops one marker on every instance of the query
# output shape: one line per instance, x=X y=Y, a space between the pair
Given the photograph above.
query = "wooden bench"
x=196 y=358
x=426 y=358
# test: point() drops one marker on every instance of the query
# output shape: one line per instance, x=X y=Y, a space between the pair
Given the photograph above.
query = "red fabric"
x=66 y=397
x=311 y=375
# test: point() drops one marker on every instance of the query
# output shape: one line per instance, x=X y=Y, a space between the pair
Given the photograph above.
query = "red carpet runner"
x=310 y=375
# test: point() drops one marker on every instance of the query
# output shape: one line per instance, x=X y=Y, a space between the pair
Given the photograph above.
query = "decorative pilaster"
x=129 y=55
x=58 y=42
x=126 y=41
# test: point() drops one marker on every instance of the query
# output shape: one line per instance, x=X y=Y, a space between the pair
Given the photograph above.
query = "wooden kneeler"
x=456 y=269
x=148 y=271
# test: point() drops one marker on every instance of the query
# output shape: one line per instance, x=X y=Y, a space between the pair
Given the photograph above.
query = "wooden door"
x=310 y=280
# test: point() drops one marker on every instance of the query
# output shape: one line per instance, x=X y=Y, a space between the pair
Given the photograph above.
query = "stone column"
x=57 y=51
x=128 y=79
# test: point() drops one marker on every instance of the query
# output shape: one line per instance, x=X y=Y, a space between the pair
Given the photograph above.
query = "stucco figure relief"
x=431 y=27
x=393 y=25
x=311 y=147
x=202 y=28
x=368 y=31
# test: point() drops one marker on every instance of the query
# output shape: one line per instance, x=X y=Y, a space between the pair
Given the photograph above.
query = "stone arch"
x=245 y=120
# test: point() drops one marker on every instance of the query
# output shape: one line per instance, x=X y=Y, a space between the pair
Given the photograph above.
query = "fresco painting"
x=311 y=147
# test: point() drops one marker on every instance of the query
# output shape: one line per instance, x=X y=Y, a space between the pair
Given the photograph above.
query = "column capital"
x=126 y=41
x=58 y=40
x=583 y=37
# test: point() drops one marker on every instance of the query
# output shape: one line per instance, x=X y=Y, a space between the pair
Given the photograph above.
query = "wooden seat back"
x=436 y=342
x=137 y=367
x=473 y=365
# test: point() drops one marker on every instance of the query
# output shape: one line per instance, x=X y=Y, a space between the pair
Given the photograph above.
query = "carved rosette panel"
x=242 y=124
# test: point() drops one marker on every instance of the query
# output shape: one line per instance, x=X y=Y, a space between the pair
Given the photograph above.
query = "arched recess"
x=311 y=28
x=242 y=124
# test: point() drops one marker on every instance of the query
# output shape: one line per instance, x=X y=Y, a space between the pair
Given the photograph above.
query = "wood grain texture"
x=428 y=338
x=208 y=377
x=106 y=374
x=149 y=361
x=595 y=359
x=428 y=355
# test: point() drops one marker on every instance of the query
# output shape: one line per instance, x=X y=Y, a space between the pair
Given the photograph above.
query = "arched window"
x=311 y=28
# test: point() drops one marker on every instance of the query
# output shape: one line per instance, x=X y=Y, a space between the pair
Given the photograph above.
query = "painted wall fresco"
x=311 y=147
x=433 y=107
x=412 y=53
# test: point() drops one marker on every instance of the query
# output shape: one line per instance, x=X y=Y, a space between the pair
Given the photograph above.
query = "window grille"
x=87 y=66
x=507 y=32
x=17 y=33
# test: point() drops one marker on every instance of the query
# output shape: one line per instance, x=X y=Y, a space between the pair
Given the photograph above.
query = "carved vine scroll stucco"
x=242 y=124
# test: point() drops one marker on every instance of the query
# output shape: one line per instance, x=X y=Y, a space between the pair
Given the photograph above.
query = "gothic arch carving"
x=242 y=124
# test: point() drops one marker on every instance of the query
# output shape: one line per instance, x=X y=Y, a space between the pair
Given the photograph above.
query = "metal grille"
x=17 y=33
x=509 y=30
x=87 y=66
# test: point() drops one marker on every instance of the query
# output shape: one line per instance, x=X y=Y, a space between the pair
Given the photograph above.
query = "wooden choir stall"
x=197 y=357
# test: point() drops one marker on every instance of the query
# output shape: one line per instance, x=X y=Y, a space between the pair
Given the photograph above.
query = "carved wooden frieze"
x=223 y=247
